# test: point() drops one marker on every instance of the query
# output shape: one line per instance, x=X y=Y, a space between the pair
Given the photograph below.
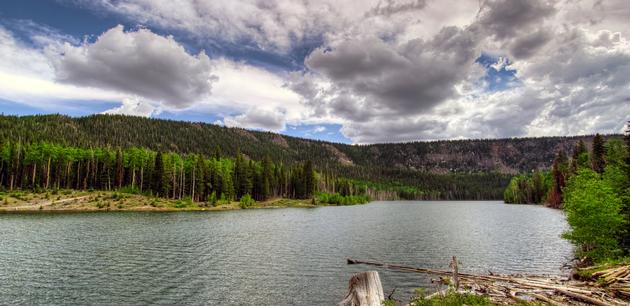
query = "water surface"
x=291 y=256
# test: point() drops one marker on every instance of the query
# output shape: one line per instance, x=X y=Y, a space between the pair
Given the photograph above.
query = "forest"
x=439 y=170
x=592 y=186
x=48 y=166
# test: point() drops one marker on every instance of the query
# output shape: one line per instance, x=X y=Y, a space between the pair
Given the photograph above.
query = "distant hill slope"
x=505 y=156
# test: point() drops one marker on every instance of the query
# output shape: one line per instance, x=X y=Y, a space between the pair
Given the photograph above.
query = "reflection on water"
x=265 y=256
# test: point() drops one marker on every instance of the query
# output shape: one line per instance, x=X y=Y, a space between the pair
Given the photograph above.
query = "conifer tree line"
x=547 y=186
x=44 y=166
x=440 y=170
x=593 y=188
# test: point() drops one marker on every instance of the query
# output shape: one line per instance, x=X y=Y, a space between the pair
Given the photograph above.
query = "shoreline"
x=112 y=201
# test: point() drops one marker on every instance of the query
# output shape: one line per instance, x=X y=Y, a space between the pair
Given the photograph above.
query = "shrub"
x=129 y=190
x=247 y=201
x=337 y=199
x=594 y=214
x=186 y=202
x=212 y=199
x=451 y=298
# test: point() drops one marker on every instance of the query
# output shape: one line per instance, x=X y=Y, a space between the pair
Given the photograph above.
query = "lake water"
x=286 y=256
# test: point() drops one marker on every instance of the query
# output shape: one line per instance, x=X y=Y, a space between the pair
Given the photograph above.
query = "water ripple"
x=263 y=257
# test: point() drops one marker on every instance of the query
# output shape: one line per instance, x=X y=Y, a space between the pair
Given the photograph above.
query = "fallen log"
x=545 y=299
x=365 y=289
x=583 y=298
x=508 y=286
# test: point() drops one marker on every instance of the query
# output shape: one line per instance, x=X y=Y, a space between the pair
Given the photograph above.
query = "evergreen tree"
x=217 y=153
x=597 y=157
x=558 y=174
x=158 y=184
x=309 y=179
x=267 y=177
x=199 y=183
x=578 y=153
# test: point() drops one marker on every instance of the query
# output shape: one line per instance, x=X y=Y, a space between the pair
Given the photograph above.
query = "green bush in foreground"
x=594 y=213
x=452 y=298
x=247 y=201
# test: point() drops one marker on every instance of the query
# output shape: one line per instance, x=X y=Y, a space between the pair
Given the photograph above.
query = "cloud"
x=135 y=107
x=26 y=76
x=138 y=63
x=276 y=25
x=527 y=45
x=506 y=18
x=385 y=70
x=391 y=7
x=258 y=119
x=319 y=129
x=400 y=79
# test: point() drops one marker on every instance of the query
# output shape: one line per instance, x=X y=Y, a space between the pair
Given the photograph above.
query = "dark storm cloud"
x=140 y=63
x=505 y=18
x=404 y=79
x=528 y=45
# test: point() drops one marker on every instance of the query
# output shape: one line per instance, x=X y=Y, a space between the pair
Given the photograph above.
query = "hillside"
x=456 y=169
x=506 y=156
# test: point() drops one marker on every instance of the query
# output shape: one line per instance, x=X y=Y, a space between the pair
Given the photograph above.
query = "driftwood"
x=607 y=289
x=365 y=289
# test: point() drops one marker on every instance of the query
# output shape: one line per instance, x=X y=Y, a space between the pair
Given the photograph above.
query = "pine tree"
x=309 y=179
x=597 y=158
x=199 y=184
x=267 y=177
x=559 y=180
x=217 y=153
x=158 y=185
x=580 y=148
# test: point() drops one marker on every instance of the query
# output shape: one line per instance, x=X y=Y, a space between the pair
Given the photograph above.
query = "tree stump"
x=365 y=289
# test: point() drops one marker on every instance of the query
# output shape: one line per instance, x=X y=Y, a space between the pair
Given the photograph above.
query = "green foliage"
x=598 y=161
x=246 y=201
x=129 y=190
x=212 y=199
x=184 y=203
x=594 y=213
x=338 y=199
x=450 y=298
x=125 y=148
x=528 y=189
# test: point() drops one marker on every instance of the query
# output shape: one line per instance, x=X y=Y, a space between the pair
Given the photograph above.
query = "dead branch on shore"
x=608 y=287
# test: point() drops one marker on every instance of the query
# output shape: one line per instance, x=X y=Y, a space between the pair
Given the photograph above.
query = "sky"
x=369 y=71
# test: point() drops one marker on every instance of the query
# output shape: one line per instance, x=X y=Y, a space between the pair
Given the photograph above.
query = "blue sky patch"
x=498 y=77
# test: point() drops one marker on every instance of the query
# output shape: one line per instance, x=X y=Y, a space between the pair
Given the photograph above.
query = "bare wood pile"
x=616 y=280
x=608 y=287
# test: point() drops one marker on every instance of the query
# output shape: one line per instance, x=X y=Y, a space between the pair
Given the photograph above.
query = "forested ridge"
x=591 y=183
x=458 y=169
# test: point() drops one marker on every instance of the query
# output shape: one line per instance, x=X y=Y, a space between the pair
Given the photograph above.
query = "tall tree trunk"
x=141 y=178
x=47 y=173
x=68 y=180
x=78 y=178
x=85 y=178
x=174 y=177
x=193 y=185
x=34 y=173
x=183 y=182
x=133 y=177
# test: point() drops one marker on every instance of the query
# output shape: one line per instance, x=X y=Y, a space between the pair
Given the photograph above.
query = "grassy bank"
x=75 y=200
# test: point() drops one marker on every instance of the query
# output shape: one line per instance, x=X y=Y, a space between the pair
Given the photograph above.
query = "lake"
x=289 y=256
